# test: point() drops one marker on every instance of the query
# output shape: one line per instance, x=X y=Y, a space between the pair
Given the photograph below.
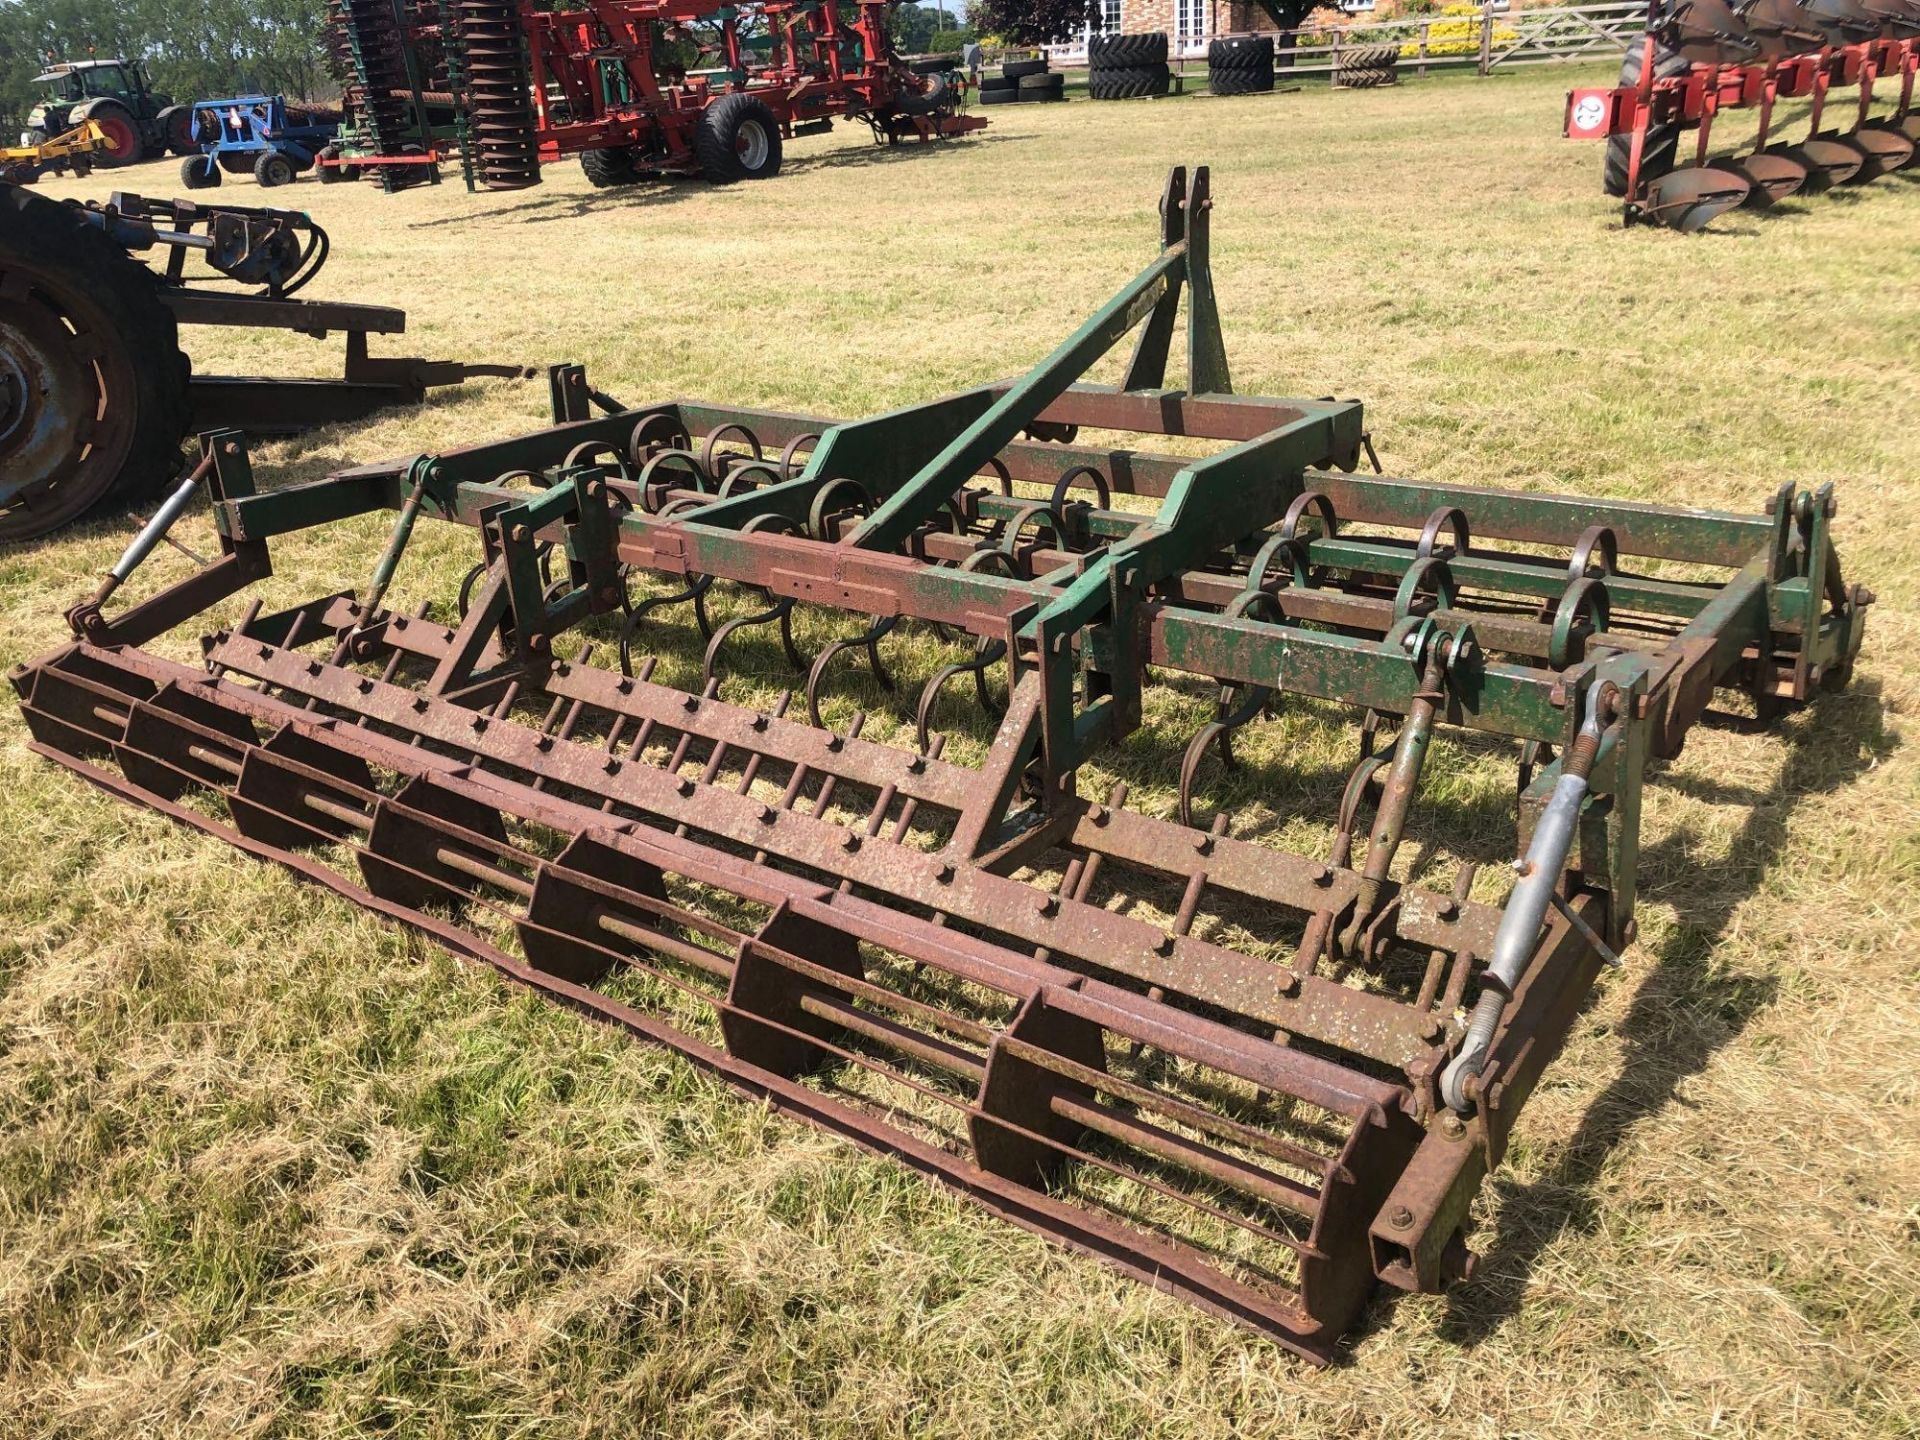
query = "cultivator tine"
x=1238 y=1073
x=869 y=640
x=1217 y=734
x=988 y=652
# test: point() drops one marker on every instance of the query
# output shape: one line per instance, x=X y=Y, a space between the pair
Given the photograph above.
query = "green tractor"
x=116 y=95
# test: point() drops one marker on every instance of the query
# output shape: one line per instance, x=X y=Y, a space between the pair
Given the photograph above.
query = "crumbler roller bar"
x=1262 y=1081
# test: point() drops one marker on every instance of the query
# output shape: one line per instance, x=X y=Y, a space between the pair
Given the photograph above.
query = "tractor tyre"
x=124 y=146
x=1021 y=69
x=1663 y=141
x=1047 y=85
x=175 y=127
x=93 y=387
x=1369 y=57
x=273 y=169
x=1008 y=96
x=1241 y=52
x=1121 y=52
x=737 y=139
x=1365 y=79
x=607 y=168
x=328 y=174
x=198 y=173
x=1133 y=82
x=1239 y=82
x=990 y=83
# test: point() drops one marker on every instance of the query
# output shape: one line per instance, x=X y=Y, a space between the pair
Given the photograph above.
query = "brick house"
x=1190 y=24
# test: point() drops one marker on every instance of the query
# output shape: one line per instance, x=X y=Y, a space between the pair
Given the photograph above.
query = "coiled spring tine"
x=871 y=640
x=1220 y=729
x=696 y=592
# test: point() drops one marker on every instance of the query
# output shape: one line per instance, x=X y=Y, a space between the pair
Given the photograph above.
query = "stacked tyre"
x=1023 y=82
x=1127 y=67
x=1363 y=67
x=1240 y=65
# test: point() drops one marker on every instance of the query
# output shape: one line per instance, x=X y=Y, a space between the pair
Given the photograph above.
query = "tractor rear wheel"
x=738 y=139
x=93 y=387
x=175 y=125
x=123 y=137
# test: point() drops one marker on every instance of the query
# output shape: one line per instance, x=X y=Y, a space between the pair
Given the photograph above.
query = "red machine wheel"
x=738 y=139
x=123 y=137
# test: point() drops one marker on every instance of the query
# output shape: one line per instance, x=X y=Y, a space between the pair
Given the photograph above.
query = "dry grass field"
x=269 y=1167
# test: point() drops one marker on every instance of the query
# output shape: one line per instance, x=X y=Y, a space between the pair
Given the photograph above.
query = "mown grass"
x=269 y=1167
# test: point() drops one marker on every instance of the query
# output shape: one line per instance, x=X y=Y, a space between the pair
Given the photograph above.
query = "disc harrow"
x=1701 y=57
x=1264 y=1081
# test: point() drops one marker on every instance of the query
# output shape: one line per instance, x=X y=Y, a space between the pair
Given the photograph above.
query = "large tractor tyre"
x=1239 y=82
x=197 y=172
x=93 y=387
x=1134 y=82
x=175 y=127
x=273 y=170
x=737 y=139
x=607 y=168
x=1044 y=86
x=997 y=82
x=1119 y=52
x=1369 y=57
x=328 y=174
x=124 y=146
x=1021 y=69
x=1241 y=52
x=938 y=96
x=1365 y=79
x=1663 y=141
x=1008 y=96
x=934 y=64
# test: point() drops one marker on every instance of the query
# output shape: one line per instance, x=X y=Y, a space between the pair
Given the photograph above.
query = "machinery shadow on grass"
x=1684 y=1010
x=571 y=206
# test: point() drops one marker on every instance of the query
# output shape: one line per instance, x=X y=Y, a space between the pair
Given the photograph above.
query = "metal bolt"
x=613 y=766
x=420 y=704
x=849 y=841
x=1164 y=945
x=1047 y=904
x=765 y=812
x=1401 y=1218
x=1451 y=1125
x=944 y=874
x=917 y=764
x=522 y=534
x=1203 y=843
x=1097 y=813
x=759 y=721
x=625 y=687
x=1321 y=875
x=479 y=723
x=690 y=702
x=1446 y=909
x=835 y=742
x=538 y=643
x=684 y=786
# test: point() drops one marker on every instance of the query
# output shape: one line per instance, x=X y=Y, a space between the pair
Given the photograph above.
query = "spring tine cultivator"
x=1262 y=1081
x=1699 y=57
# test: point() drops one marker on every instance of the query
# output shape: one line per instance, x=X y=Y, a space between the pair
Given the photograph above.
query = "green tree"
x=1030 y=22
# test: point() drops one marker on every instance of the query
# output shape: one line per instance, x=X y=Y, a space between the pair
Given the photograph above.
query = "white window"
x=1107 y=20
x=1190 y=22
